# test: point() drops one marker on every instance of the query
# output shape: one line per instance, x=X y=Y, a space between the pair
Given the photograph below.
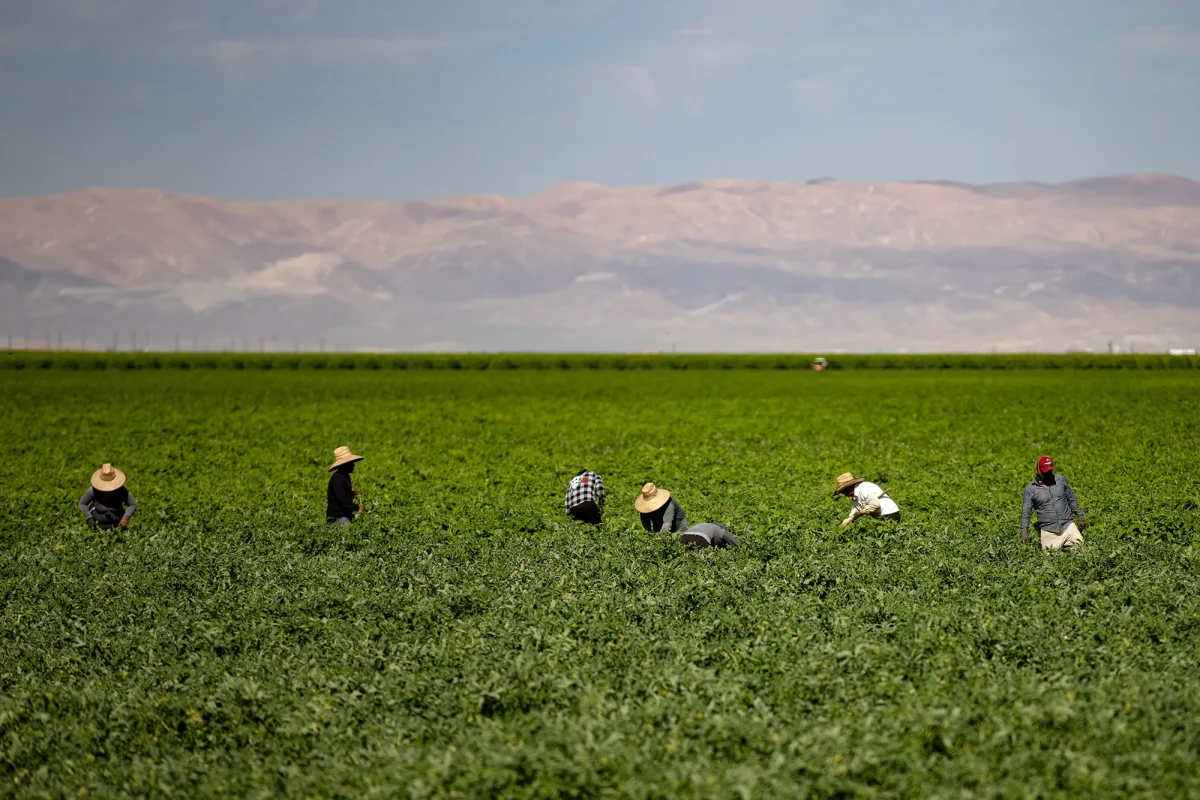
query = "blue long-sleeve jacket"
x=1055 y=505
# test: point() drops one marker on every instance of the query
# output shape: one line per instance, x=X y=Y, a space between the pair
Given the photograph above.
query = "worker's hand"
x=666 y=528
x=1024 y=536
x=1082 y=524
x=361 y=508
x=847 y=522
x=357 y=493
x=124 y=523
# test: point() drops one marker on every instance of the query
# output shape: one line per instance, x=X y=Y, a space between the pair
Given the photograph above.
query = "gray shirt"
x=1055 y=505
x=107 y=508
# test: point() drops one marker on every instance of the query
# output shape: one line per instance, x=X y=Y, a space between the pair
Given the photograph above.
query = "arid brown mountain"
x=713 y=265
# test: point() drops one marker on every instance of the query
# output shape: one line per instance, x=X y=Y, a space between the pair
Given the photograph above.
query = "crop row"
x=584 y=361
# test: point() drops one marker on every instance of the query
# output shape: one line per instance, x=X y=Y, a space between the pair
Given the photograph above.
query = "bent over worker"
x=585 y=497
x=107 y=503
x=340 y=503
x=1057 y=509
x=708 y=534
x=866 y=499
x=661 y=512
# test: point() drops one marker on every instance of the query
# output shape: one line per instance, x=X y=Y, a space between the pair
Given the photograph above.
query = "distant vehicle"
x=1188 y=351
x=820 y=364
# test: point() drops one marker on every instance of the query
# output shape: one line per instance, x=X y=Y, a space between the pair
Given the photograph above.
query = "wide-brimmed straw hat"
x=343 y=456
x=844 y=480
x=651 y=499
x=107 y=478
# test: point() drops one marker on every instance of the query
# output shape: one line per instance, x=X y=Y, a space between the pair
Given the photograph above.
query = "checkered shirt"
x=588 y=486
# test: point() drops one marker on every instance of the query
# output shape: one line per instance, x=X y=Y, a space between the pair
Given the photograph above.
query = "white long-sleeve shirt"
x=866 y=492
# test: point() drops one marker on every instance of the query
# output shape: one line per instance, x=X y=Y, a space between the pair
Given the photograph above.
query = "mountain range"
x=719 y=265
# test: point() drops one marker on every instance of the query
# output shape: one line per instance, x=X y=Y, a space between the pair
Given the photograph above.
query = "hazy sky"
x=401 y=99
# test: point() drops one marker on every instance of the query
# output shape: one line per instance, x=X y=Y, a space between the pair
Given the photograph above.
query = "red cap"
x=1045 y=464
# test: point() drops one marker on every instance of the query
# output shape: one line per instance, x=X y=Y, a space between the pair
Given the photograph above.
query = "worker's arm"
x=669 y=516
x=869 y=509
x=85 y=503
x=130 y=508
x=1026 y=511
x=681 y=522
x=1074 y=504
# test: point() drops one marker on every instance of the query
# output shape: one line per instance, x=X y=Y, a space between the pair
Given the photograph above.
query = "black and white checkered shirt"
x=583 y=487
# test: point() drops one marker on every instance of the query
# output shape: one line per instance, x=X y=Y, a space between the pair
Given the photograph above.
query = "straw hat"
x=651 y=499
x=107 y=478
x=693 y=538
x=343 y=456
x=844 y=480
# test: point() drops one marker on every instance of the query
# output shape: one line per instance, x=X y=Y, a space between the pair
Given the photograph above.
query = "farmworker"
x=108 y=502
x=1057 y=509
x=585 y=497
x=866 y=499
x=341 y=504
x=660 y=511
x=708 y=534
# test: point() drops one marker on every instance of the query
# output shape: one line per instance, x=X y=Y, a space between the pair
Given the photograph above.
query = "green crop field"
x=464 y=639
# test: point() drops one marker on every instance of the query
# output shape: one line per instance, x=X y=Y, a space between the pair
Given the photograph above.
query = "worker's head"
x=1045 y=466
x=845 y=484
x=342 y=458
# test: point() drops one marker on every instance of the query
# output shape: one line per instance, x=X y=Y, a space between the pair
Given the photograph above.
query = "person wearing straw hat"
x=1057 y=508
x=107 y=503
x=866 y=499
x=659 y=510
x=340 y=503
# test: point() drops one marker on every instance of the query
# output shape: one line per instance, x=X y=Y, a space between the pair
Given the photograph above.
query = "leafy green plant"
x=464 y=638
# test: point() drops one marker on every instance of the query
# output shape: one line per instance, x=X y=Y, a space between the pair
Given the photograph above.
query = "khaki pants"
x=1058 y=541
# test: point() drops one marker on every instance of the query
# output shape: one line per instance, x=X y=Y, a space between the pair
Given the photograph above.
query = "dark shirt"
x=1054 y=503
x=107 y=508
x=340 y=498
x=671 y=513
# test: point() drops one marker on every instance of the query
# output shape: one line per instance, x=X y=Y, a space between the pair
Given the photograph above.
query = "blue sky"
x=399 y=99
